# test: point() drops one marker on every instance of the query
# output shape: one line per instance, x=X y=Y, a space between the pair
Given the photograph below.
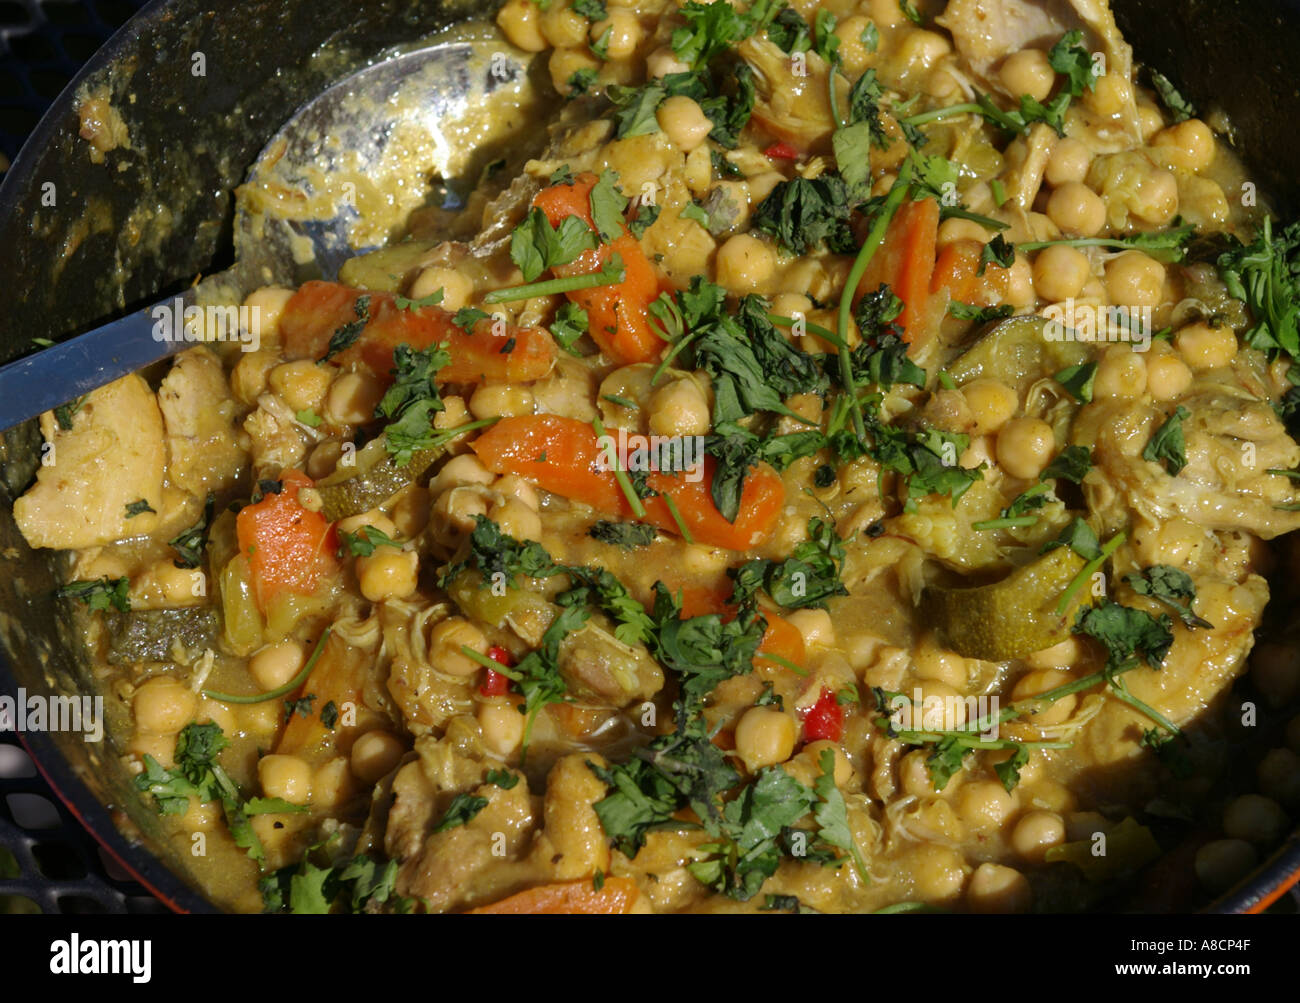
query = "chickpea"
x=273 y=666
x=457 y=510
x=886 y=13
x=161 y=747
x=324 y=459
x=410 y=512
x=998 y=890
x=684 y=122
x=375 y=755
x=664 y=61
x=262 y=718
x=286 y=777
x=914 y=777
x=331 y=783
x=388 y=573
x=163 y=706
x=1156 y=198
x=1020 y=283
x=461 y=471
x=852 y=50
x=1189 y=145
x=621 y=30
x=985 y=805
x=514 y=486
x=564 y=27
x=564 y=63
x=502 y=726
x=1077 y=210
x=812 y=754
x=445 y=642
x=1068 y=163
x=1135 y=280
x=200 y=816
x=521 y=21
x=1279 y=776
x=1036 y=833
x=761 y=185
x=216 y=712
x=248 y=378
x=457 y=289
x=1025 y=446
x=938 y=873
x=1040 y=681
x=1121 y=373
x=679 y=408
x=1028 y=72
x=745 y=263
x=1204 y=347
x=1167 y=376
x=1150 y=121
x=517 y=519
x=501 y=400
x=953 y=230
x=920 y=50
x=815 y=627
x=169 y=584
x=1222 y=863
x=352 y=399
x=267 y=307
x=764 y=737
x=1061 y=272
x=947 y=667
x=375 y=519
x=301 y=384
x=1110 y=96
x=1256 y=819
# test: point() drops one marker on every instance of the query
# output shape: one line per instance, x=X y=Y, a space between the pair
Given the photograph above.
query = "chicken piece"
x=794 y=108
x=572 y=842
x=112 y=457
x=602 y=671
x=1200 y=667
x=278 y=442
x=203 y=449
x=1232 y=440
x=985 y=32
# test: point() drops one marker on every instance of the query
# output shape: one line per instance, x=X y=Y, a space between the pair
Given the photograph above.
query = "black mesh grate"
x=48 y=862
x=42 y=45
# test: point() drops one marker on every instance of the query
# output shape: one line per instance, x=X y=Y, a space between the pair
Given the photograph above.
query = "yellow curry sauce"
x=949 y=552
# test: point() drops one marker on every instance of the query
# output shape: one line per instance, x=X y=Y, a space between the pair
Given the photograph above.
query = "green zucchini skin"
x=160 y=635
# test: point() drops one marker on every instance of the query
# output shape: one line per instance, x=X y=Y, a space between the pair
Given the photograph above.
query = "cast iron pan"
x=104 y=248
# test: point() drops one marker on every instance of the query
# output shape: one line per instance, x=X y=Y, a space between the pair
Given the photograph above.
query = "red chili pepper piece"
x=781 y=151
x=825 y=719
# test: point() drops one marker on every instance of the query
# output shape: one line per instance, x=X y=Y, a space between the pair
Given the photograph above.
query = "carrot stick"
x=905 y=261
x=338 y=678
x=617 y=315
x=563 y=456
x=616 y=896
x=494 y=351
x=289 y=548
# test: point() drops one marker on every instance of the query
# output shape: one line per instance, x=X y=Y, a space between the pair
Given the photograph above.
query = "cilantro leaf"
x=1079 y=381
x=412 y=400
x=628 y=535
x=569 y=325
x=346 y=335
x=462 y=809
x=608 y=205
x=1127 y=633
x=1171 y=586
x=1072 y=464
x=100 y=594
x=1180 y=109
x=1069 y=58
x=802 y=213
x=1168 y=445
x=536 y=246
x=190 y=544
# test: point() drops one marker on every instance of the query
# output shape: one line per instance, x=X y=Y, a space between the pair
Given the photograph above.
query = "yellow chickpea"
x=955 y=229
x=332 y=784
x=375 y=519
x=163 y=706
x=745 y=263
x=764 y=737
x=1058 y=656
x=684 y=122
x=1020 y=283
x=457 y=289
x=1189 y=145
x=1028 y=72
x=1077 y=210
x=852 y=51
x=679 y=408
x=248 y=380
x=1135 y=280
x=995 y=889
x=461 y=471
x=886 y=13
x=815 y=627
x=301 y=384
x=1025 y=446
x=621 y=31
x=1168 y=377
x=276 y=664
x=1150 y=120
x=352 y=398
x=514 y=486
x=563 y=27
x=375 y=755
x=286 y=777
x=501 y=400
x=1068 y=163
x=563 y=64
x=267 y=306
x=445 y=644
x=1036 y=833
x=992 y=404
x=502 y=726
x=1256 y=819
x=1110 y=96
x=388 y=573
x=1061 y=272
x=1221 y=864
x=1156 y=198
x=517 y=519
x=938 y=873
x=1204 y=347
x=1031 y=684
x=985 y=805
x=920 y=50
x=812 y=753
x=664 y=61
x=521 y=20
x=1121 y=373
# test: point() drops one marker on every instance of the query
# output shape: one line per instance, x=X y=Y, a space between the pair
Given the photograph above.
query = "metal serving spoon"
x=375 y=138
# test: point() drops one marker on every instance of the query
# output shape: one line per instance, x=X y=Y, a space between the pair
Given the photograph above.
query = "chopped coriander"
x=100 y=594
x=1168 y=445
x=139 y=507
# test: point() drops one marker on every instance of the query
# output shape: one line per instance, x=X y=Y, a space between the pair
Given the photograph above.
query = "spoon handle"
x=63 y=372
